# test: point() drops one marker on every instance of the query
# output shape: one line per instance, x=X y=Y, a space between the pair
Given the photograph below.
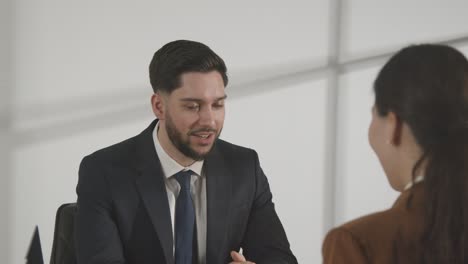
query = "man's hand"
x=239 y=259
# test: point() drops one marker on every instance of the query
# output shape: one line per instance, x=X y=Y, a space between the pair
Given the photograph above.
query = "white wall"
x=79 y=79
x=5 y=93
x=375 y=26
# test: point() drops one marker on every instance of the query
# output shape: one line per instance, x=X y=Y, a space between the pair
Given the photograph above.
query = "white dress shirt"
x=198 y=190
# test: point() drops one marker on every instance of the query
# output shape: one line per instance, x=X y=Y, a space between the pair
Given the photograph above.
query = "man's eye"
x=192 y=107
x=219 y=104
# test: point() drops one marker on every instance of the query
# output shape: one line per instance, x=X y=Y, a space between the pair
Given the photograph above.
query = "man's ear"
x=395 y=126
x=158 y=105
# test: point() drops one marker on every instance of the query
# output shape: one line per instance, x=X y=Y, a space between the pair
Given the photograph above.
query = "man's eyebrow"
x=189 y=99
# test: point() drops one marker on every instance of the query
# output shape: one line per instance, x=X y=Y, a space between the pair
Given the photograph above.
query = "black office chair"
x=63 y=248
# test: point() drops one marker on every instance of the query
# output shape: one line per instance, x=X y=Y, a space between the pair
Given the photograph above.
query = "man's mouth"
x=202 y=135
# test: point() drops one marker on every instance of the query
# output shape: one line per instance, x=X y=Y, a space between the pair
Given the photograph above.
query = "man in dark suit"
x=176 y=193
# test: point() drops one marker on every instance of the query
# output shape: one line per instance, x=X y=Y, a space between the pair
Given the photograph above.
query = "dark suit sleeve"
x=96 y=238
x=265 y=240
x=341 y=246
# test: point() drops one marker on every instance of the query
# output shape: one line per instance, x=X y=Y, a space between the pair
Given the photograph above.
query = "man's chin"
x=202 y=152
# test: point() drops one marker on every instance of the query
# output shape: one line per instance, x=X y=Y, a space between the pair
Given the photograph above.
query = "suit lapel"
x=151 y=186
x=218 y=187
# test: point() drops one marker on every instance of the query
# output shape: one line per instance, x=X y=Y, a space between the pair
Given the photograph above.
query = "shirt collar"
x=168 y=164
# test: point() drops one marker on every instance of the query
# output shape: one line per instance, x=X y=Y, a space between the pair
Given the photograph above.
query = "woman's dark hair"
x=181 y=56
x=426 y=86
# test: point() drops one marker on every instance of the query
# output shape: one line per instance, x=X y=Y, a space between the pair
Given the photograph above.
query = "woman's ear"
x=395 y=129
x=158 y=105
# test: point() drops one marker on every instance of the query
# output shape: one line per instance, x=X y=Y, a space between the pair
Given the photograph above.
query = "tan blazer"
x=391 y=236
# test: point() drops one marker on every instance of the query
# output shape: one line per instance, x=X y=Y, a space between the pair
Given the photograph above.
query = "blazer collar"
x=150 y=183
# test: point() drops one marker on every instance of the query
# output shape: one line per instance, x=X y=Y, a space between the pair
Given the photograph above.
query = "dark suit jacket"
x=123 y=212
x=391 y=236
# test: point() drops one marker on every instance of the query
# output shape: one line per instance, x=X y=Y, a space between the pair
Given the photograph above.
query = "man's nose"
x=207 y=117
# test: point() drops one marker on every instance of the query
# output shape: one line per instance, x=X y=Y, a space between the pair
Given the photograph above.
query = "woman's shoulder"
x=367 y=239
x=374 y=223
x=362 y=229
x=342 y=246
x=405 y=215
x=372 y=235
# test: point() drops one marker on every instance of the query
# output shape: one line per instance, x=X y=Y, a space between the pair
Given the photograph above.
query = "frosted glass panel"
x=287 y=128
x=76 y=49
x=362 y=187
x=372 y=26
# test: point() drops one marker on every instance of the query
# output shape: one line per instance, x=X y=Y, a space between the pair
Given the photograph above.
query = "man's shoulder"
x=117 y=152
x=228 y=148
x=128 y=148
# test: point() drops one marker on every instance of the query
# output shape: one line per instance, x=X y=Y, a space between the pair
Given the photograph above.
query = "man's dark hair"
x=181 y=56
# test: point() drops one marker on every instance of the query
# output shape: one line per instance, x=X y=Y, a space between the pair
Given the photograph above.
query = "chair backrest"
x=63 y=248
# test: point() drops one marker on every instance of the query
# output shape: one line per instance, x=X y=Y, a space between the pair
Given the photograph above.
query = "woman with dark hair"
x=419 y=132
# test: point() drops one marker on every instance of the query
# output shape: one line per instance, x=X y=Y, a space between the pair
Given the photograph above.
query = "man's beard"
x=175 y=136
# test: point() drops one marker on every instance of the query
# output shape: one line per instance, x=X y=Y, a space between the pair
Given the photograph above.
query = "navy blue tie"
x=184 y=220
